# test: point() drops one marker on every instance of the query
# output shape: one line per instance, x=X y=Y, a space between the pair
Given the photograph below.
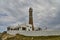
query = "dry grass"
x=21 y=37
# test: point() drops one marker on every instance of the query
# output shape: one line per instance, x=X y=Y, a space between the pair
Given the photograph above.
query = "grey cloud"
x=43 y=11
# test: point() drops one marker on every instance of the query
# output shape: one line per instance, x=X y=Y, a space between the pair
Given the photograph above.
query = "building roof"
x=20 y=25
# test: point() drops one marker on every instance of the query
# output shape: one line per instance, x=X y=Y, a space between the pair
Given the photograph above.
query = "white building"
x=22 y=27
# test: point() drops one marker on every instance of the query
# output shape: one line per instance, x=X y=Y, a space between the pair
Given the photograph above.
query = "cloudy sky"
x=46 y=13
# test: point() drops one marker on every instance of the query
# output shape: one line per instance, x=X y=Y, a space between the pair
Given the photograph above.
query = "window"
x=16 y=29
x=28 y=29
x=8 y=28
x=23 y=28
x=11 y=29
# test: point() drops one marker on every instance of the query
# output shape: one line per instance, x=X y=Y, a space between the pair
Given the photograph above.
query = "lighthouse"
x=31 y=18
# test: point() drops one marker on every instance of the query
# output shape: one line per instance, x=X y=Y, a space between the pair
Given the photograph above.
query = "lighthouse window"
x=23 y=28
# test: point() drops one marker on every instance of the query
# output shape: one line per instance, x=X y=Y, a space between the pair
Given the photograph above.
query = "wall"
x=35 y=33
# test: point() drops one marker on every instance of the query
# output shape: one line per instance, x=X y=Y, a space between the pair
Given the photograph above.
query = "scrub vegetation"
x=5 y=36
